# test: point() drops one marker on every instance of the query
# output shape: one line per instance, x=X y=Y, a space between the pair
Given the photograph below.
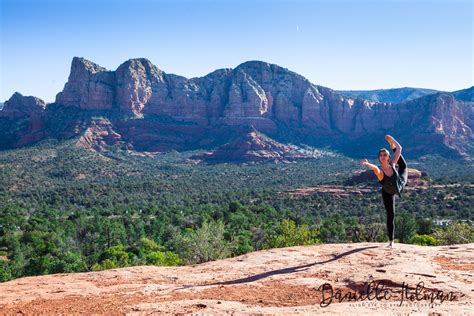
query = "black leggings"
x=402 y=167
x=389 y=199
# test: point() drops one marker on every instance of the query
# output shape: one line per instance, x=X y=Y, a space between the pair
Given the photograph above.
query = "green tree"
x=333 y=229
x=375 y=232
x=16 y=257
x=238 y=229
x=146 y=245
x=203 y=244
x=425 y=226
x=154 y=254
x=5 y=273
x=241 y=243
x=405 y=227
x=71 y=261
x=116 y=254
x=289 y=234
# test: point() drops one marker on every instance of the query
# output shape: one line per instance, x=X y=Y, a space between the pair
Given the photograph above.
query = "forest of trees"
x=64 y=209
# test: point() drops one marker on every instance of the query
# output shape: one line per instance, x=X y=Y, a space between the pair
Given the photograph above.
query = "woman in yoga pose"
x=392 y=181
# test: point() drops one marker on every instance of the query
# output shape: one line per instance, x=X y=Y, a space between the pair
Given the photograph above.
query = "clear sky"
x=339 y=44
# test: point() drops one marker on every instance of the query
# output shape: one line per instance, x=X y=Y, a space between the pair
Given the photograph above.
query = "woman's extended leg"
x=402 y=167
x=389 y=203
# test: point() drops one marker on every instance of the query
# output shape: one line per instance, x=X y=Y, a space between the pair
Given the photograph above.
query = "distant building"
x=442 y=222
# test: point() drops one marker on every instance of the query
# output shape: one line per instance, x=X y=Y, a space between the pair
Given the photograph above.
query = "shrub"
x=160 y=258
x=425 y=240
x=104 y=265
x=455 y=233
x=289 y=234
x=203 y=244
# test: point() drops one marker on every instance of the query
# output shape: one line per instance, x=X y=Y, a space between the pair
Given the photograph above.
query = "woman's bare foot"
x=390 y=141
x=391 y=245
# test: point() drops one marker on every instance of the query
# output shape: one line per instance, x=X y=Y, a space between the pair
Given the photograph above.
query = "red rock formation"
x=89 y=86
x=98 y=135
x=273 y=99
x=254 y=93
x=135 y=80
x=35 y=132
x=368 y=176
x=19 y=106
x=254 y=146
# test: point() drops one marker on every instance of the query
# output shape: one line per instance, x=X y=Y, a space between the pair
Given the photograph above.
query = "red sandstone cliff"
x=200 y=110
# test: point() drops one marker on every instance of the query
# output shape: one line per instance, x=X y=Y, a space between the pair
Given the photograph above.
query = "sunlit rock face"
x=89 y=86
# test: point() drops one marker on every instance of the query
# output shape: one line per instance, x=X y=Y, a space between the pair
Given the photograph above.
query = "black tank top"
x=392 y=184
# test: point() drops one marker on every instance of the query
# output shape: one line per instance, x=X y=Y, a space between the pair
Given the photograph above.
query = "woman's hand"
x=364 y=162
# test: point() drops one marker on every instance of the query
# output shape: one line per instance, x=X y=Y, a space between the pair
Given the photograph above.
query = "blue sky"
x=339 y=44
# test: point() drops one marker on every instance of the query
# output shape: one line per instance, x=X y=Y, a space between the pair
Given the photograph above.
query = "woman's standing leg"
x=389 y=203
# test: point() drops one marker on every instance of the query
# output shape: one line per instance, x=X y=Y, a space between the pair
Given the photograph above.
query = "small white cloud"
x=297 y=28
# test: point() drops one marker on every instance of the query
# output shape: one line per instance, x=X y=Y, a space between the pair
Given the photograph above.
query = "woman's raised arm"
x=375 y=169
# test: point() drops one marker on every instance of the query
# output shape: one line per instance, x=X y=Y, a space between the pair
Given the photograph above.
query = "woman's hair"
x=381 y=150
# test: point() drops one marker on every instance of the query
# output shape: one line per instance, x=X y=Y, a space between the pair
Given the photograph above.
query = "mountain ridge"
x=153 y=110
